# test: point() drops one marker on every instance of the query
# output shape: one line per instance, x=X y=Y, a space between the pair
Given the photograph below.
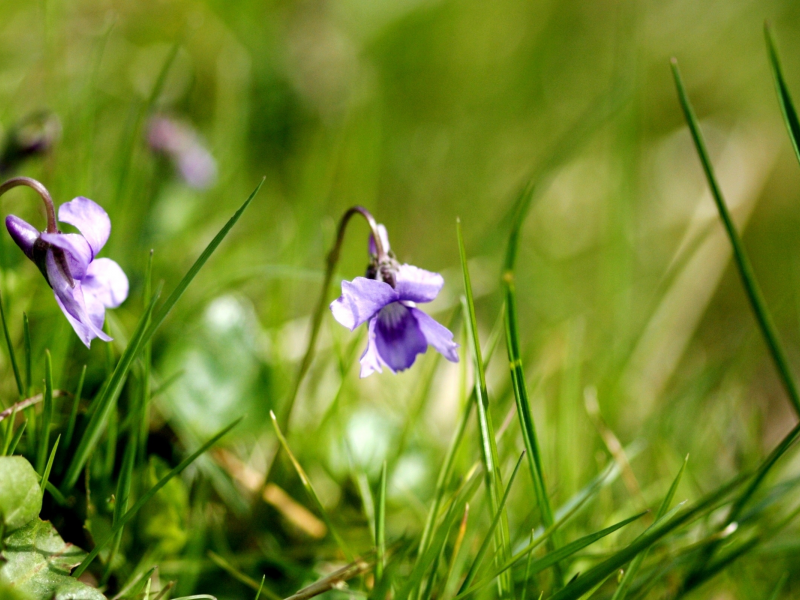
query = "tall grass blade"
x=73 y=415
x=130 y=513
x=380 y=526
x=26 y=337
x=169 y=303
x=784 y=97
x=104 y=404
x=476 y=563
x=11 y=355
x=489 y=453
x=49 y=466
x=525 y=411
x=17 y=437
x=547 y=561
x=47 y=413
x=147 y=359
x=312 y=494
x=123 y=493
x=742 y=261
x=622 y=590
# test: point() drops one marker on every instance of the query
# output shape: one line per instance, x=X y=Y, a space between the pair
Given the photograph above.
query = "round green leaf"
x=20 y=494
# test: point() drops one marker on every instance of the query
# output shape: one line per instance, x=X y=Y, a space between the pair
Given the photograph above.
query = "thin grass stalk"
x=131 y=512
x=11 y=355
x=380 y=526
x=622 y=590
x=147 y=359
x=26 y=337
x=9 y=430
x=790 y=117
x=525 y=414
x=124 y=485
x=17 y=437
x=73 y=415
x=746 y=273
x=476 y=563
x=49 y=466
x=47 y=413
x=488 y=445
x=309 y=488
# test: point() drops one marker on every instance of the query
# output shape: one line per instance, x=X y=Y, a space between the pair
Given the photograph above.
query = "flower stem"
x=42 y=191
x=316 y=321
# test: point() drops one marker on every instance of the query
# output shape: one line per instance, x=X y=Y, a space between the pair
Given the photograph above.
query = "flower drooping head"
x=386 y=299
x=84 y=286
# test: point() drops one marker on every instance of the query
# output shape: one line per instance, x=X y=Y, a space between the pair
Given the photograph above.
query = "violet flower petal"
x=417 y=285
x=384 y=235
x=361 y=299
x=86 y=321
x=90 y=219
x=23 y=233
x=398 y=337
x=437 y=335
x=106 y=281
x=76 y=249
x=370 y=360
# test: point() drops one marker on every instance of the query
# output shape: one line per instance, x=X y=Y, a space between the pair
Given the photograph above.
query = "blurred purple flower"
x=386 y=300
x=183 y=146
x=84 y=286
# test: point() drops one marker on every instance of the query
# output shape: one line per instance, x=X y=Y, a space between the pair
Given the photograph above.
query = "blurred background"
x=422 y=111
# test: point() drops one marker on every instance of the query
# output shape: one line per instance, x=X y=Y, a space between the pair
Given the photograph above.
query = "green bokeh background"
x=424 y=111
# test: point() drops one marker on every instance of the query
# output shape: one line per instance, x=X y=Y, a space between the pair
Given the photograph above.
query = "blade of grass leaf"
x=586 y=581
x=11 y=355
x=525 y=412
x=380 y=526
x=551 y=558
x=312 y=494
x=104 y=404
x=476 y=563
x=742 y=261
x=144 y=400
x=462 y=532
x=487 y=438
x=130 y=513
x=122 y=496
x=73 y=415
x=9 y=429
x=169 y=303
x=636 y=563
x=784 y=97
x=49 y=466
x=47 y=413
x=234 y=572
x=26 y=336
x=17 y=437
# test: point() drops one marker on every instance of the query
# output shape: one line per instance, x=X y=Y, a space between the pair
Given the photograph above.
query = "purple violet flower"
x=84 y=286
x=183 y=146
x=387 y=301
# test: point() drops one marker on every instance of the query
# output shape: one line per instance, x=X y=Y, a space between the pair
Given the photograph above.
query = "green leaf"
x=20 y=494
x=123 y=520
x=784 y=97
x=38 y=564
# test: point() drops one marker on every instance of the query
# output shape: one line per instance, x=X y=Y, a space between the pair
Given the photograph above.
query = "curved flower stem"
x=42 y=191
x=316 y=321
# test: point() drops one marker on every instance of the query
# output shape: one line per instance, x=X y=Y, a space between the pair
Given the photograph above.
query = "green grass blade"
x=547 y=561
x=130 y=513
x=147 y=359
x=742 y=261
x=49 y=466
x=169 y=303
x=11 y=355
x=525 y=411
x=8 y=434
x=636 y=563
x=586 y=581
x=47 y=413
x=380 y=526
x=26 y=337
x=489 y=453
x=105 y=403
x=73 y=415
x=784 y=97
x=312 y=494
x=123 y=493
x=17 y=437
x=779 y=586
x=476 y=563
